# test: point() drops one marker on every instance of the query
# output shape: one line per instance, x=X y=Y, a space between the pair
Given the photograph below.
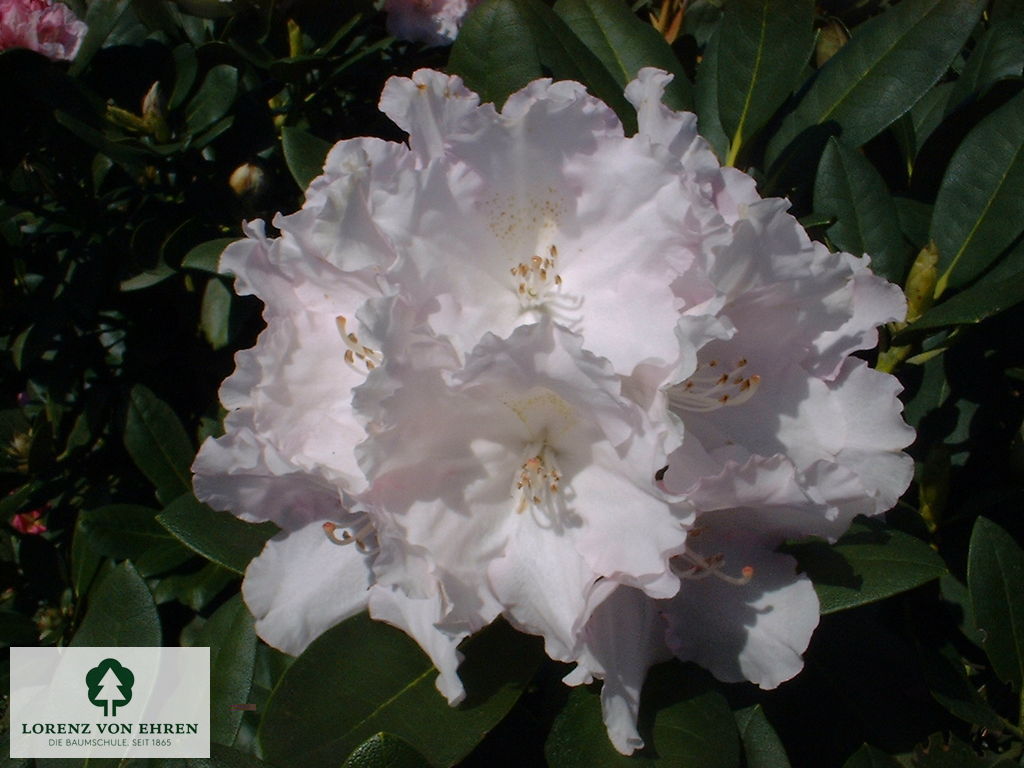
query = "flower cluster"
x=43 y=26
x=526 y=366
x=434 y=22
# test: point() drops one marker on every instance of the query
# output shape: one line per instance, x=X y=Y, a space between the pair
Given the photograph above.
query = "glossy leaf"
x=120 y=612
x=977 y=211
x=505 y=44
x=683 y=721
x=363 y=677
x=999 y=54
x=758 y=60
x=995 y=573
x=869 y=563
x=230 y=635
x=206 y=256
x=213 y=99
x=101 y=18
x=989 y=296
x=849 y=189
x=385 y=750
x=120 y=531
x=304 y=153
x=624 y=44
x=158 y=444
x=761 y=745
x=217 y=536
x=197 y=588
x=881 y=72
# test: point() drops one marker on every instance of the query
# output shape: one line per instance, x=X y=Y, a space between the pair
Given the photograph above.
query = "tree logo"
x=110 y=685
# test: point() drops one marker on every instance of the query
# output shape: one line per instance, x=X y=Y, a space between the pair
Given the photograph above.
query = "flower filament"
x=713 y=386
x=691 y=565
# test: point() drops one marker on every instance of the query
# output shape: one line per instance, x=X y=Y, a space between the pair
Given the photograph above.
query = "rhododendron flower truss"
x=43 y=26
x=527 y=366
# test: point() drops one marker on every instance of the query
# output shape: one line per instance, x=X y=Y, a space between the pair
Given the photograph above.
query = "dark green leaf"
x=943 y=752
x=100 y=19
x=120 y=612
x=995 y=573
x=706 y=105
x=505 y=44
x=158 y=444
x=977 y=211
x=624 y=44
x=304 y=153
x=881 y=72
x=185 y=67
x=120 y=531
x=217 y=536
x=232 y=640
x=871 y=757
x=157 y=274
x=761 y=745
x=999 y=54
x=989 y=296
x=849 y=189
x=213 y=99
x=762 y=49
x=869 y=563
x=363 y=677
x=196 y=589
x=206 y=256
x=220 y=757
x=683 y=722
x=385 y=750
x=948 y=684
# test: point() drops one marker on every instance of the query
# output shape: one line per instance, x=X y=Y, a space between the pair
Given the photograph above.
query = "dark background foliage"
x=895 y=129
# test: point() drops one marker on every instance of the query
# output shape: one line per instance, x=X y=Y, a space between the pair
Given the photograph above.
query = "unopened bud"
x=154 y=114
x=921 y=282
x=831 y=37
x=247 y=180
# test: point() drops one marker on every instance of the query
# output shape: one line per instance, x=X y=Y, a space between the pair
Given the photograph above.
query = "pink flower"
x=28 y=522
x=42 y=26
x=434 y=22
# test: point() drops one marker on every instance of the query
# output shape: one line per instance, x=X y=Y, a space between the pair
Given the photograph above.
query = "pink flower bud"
x=47 y=27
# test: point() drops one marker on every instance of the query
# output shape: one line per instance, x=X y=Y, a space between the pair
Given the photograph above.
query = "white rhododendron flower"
x=434 y=22
x=526 y=366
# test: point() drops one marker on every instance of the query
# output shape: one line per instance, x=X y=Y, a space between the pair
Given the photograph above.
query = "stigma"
x=715 y=385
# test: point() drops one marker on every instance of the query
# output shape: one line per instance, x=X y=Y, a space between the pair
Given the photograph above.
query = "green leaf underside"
x=120 y=612
x=363 y=677
x=231 y=637
x=869 y=563
x=761 y=745
x=881 y=72
x=995 y=573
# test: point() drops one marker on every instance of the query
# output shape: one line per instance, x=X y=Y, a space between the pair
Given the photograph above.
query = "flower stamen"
x=711 y=387
x=691 y=565
x=359 y=538
x=539 y=482
x=355 y=350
